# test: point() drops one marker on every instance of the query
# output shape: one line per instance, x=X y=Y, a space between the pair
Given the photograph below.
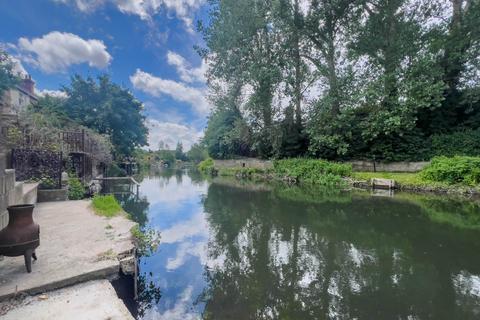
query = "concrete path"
x=75 y=246
x=94 y=300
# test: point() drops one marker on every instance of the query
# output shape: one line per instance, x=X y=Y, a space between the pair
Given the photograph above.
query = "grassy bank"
x=299 y=170
x=106 y=206
x=444 y=175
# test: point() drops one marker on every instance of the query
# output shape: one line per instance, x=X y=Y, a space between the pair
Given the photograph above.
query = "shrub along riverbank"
x=444 y=174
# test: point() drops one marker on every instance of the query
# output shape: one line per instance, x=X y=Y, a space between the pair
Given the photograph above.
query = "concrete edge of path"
x=93 y=300
x=110 y=272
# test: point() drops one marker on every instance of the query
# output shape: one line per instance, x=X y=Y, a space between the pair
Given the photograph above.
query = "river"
x=239 y=250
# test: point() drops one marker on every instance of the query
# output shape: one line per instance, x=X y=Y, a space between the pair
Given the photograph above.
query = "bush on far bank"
x=453 y=170
x=311 y=170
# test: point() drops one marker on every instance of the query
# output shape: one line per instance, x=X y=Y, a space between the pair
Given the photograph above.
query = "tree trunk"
x=332 y=72
x=298 y=71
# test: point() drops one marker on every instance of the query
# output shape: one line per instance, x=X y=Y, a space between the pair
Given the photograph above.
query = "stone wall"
x=244 y=163
x=366 y=166
x=370 y=166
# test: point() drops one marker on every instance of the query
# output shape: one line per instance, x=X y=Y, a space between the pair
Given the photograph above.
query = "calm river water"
x=233 y=250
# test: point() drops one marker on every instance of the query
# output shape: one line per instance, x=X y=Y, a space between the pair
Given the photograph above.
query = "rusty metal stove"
x=21 y=236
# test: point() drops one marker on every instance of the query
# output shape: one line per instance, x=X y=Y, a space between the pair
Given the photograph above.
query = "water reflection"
x=253 y=251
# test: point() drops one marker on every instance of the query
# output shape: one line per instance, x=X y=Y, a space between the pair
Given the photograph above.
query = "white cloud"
x=145 y=9
x=51 y=93
x=170 y=133
x=181 y=310
x=56 y=51
x=18 y=67
x=157 y=87
x=196 y=226
x=184 y=69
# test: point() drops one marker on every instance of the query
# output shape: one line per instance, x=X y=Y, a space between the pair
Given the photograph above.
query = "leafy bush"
x=115 y=171
x=460 y=143
x=106 y=206
x=312 y=170
x=240 y=172
x=46 y=182
x=76 y=189
x=458 y=169
x=206 y=166
x=146 y=241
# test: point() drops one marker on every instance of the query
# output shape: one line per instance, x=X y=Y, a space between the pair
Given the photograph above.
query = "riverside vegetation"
x=443 y=174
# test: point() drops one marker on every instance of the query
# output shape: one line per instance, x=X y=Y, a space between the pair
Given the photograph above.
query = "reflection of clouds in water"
x=360 y=257
x=195 y=226
x=467 y=284
x=171 y=193
x=180 y=310
x=467 y=292
x=191 y=237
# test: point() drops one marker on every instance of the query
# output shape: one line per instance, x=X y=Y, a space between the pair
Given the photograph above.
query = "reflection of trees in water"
x=360 y=257
x=148 y=293
x=135 y=206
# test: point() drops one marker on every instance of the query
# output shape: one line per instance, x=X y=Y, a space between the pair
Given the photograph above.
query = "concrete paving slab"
x=93 y=300
x=75 y=246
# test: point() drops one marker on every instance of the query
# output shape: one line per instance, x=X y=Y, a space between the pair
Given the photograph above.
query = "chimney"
x=28 y=84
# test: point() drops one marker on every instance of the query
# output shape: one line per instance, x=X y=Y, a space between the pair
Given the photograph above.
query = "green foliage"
x=108 y=109
x=393 y=80
x=76 y=189
x=114 y=170
x=106 y=206
x=206 y=166
x=458 y=169
x=179 y=154
x=227 y=134
x=146 y=241
x=8 y=79
x=240 y=172
x=459 y=143
x=46 y=182
x=197 y=153
x=312 y=171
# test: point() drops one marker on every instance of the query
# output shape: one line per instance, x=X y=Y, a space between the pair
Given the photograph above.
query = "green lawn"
x=402 y=178
x=106 y=206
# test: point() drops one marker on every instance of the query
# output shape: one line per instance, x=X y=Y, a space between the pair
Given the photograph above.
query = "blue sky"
x=144 y=45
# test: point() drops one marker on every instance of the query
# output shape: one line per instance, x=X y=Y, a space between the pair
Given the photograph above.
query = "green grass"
x=106 y=206
x=415 y=182
x=402 y=178
x=244 y=172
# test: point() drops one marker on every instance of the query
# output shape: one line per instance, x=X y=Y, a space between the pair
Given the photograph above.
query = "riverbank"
x=76 y=246
x=440 y=177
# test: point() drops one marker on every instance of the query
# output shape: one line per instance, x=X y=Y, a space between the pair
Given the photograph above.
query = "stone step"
x=379 y=183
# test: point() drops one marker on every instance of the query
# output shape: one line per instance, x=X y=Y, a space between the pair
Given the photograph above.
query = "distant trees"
x=197 y=153
x=340 y=78
x=179 y=154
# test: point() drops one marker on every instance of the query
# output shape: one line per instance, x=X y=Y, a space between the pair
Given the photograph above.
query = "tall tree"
x=108 y=109
x=243 y=48
x=326 y=24
x=179 y=155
